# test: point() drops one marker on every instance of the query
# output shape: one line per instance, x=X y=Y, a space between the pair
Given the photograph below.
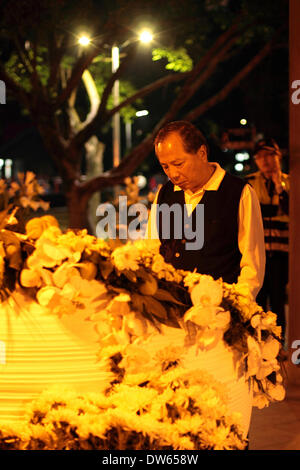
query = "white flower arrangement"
x=137 y=292
x=174 y=410
x=133 y=294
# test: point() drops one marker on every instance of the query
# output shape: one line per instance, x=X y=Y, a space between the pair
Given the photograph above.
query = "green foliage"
x=101 y=71
x=18 y=72
x=177 y=59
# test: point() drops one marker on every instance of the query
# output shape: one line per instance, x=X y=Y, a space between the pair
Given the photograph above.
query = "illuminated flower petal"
x=270 y=349
x=207 y=292
x=30 y=278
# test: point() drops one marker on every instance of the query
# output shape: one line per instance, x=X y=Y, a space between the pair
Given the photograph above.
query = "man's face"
x=267 y=161
x=182 y=168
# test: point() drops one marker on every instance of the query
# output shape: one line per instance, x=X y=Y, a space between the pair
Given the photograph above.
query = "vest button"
x=177 y=255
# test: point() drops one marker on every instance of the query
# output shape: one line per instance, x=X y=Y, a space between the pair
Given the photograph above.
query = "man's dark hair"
x=192 y=138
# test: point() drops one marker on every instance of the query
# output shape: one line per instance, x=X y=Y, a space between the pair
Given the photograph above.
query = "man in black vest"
x=230 y=226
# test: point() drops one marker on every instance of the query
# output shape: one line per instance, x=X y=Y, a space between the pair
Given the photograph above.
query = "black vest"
x=219 y=255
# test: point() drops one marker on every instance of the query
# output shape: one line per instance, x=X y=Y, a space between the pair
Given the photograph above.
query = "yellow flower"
x=260 y=401
x=243 y=289
x=47 y=294
x=207 y=292
x=191 y=279
x=126 y=257
x=135 y=324
x=254 y=356
x=30 y=278
x=276 y=392
x=135 y=358
x=64 y=273
x=209 y=316
x=270 y=349
x=261 y=360
x=119 y=305
x=2 y=262
x=36 y=226
x=264 y=321
x=207 y=339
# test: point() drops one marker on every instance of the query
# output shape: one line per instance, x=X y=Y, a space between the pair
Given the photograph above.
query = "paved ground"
x=278 y=426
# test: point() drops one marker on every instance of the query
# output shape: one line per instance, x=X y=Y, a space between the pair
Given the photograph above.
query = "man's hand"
x=277 y=176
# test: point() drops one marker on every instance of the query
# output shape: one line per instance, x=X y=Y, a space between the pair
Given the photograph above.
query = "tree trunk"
x=77 y=203
x=94 y=161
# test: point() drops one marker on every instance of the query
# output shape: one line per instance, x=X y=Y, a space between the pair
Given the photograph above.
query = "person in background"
x=272 y=188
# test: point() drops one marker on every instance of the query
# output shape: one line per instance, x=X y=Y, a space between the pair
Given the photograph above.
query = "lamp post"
x=115 y=59
x=145 y=37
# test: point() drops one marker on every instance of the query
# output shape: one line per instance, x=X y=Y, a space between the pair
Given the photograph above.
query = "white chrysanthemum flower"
x=126 y=257
x=191 y=279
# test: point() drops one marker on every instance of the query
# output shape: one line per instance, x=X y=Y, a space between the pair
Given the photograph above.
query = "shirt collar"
x=212 y=184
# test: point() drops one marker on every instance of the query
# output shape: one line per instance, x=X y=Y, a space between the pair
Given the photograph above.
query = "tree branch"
x=146 y=90
x=221 y=95
x=129 y=164
x=102 y=116
x=93 y=95
x=83 y=62
x=138 y=154
x=23 y=56
x=116 y=175
x=87 y=131
x=56 y=54
x=18 y=90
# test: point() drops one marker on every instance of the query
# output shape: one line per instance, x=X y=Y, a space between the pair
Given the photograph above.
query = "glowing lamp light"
x=144 y=112
x=243 y=122
x=142 y=181
x=146 y=36
x=241 y=156
x=84 y=41
x=238 y=167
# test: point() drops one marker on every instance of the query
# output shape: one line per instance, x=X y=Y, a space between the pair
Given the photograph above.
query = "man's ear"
x=202 y=153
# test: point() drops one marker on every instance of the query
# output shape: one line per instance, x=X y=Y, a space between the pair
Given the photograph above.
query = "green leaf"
x=155 y=308
x=164 y=295
x=106 y=268
x=178 y=59
x=130 y=275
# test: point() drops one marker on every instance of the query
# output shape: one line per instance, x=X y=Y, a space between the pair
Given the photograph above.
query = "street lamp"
x=145 y=36
x=84 y=40
x=115 y=60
